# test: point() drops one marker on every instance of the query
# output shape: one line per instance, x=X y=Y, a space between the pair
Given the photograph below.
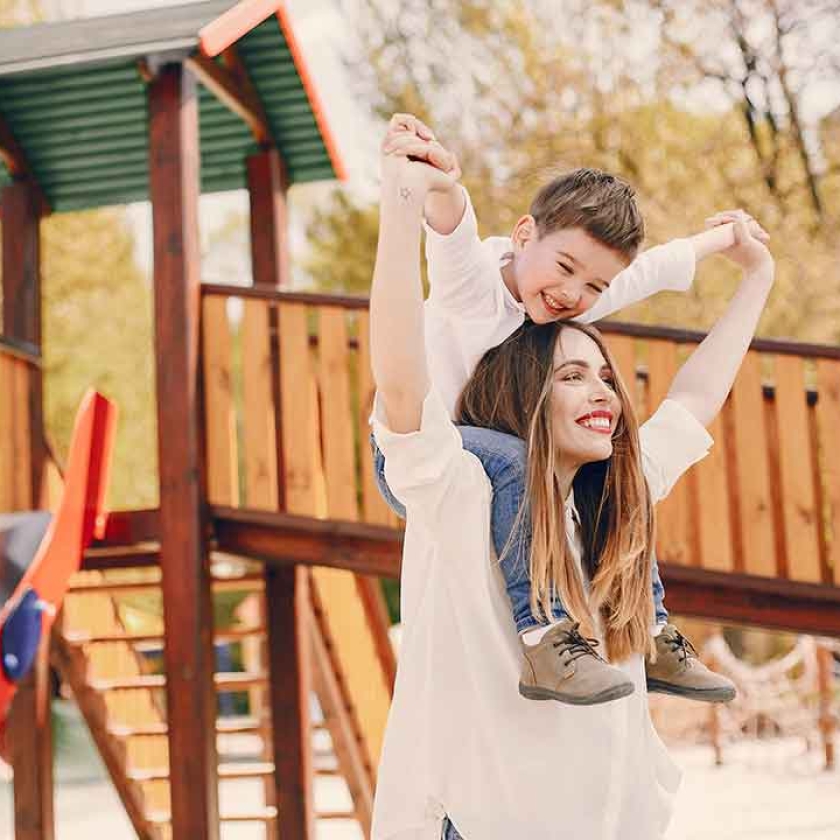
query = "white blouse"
x=460 y=740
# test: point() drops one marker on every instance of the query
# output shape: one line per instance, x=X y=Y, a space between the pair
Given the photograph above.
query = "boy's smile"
x=560 y=275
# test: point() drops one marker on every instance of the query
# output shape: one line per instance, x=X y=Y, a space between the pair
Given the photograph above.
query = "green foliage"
x=97 y=332
x=519 y=94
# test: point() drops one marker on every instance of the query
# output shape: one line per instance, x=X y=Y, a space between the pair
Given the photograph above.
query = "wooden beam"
x=752 y=600
x=234 y=91
x=281 y=538
x=30 y=740
x=127 y=527
x=287 y=601
x=188 y=612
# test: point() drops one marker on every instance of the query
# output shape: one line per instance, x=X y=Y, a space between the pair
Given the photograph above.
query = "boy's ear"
x=524 y=231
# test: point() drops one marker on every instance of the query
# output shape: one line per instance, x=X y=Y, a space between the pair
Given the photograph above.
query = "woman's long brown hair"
x=510 y=391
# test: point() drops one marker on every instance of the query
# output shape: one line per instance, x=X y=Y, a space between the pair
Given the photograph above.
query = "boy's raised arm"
x=668 y=267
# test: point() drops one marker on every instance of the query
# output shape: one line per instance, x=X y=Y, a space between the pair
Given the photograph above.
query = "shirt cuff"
x=420 y=457
x=465 y=232
x=672 y=441
x=682 y=265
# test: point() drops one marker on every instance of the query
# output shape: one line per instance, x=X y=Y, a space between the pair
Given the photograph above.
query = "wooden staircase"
x=101 y=656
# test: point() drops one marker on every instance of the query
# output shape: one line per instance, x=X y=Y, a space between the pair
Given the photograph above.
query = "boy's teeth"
x=554 y=304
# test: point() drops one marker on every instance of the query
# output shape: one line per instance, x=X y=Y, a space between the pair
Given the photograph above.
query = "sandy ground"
x=763 y=791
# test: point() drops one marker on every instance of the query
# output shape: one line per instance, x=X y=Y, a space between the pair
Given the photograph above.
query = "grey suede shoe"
x=678 y=671
x=564 y=666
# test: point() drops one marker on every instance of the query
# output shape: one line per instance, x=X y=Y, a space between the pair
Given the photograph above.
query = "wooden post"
x=267 y=185
x=825 y=687
x=288 y=599
x=21 y=257
x=184 y=557
x=286 y=591
x=30 y=725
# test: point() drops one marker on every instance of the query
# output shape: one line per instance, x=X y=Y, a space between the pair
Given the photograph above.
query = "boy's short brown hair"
x=601 y=204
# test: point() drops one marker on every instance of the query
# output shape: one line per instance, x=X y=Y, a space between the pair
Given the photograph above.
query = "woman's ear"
x=523 y=232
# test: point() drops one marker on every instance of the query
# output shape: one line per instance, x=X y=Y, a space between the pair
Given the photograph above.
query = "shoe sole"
x=536 y=693
x=704 y=695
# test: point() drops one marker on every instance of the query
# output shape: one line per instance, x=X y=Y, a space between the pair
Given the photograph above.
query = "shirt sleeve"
x=423 y=466
x=668 y=267
x=458 y=279
x=672 y=440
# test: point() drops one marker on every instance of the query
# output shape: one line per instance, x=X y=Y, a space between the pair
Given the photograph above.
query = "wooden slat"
x=798 y=502
x=673 y=529
x=334 y=382
x=713 y=523
x=360 y=637
x=222 y=472
x=623 y=349
x=260 y=444
x=750 y=449
x=376 y=510
x=828 y=423
x=298 y=418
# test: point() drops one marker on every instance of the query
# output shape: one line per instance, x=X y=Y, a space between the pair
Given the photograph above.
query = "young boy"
x=574 y=256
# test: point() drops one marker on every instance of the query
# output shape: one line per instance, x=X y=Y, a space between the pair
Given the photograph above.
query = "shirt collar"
x=503 y=248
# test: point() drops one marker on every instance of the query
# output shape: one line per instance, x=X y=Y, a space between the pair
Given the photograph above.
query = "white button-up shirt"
x=460 y=739
x=470 y=309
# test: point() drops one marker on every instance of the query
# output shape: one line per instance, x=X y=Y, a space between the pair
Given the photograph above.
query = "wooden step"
x=231 y=681
x=259 y=815
x=253 y=583
x=232 y=635
x=233 y=726
x=237 y=770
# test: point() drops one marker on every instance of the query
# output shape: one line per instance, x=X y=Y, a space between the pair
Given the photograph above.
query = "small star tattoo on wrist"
x=405 y=193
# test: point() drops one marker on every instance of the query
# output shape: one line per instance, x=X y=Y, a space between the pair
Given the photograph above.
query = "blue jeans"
x=449 y=831
x=503 y=459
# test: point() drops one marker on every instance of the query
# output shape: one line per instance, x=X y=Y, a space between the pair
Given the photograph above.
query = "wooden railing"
x=17 y=366
x=287 y=388
x=765 y=502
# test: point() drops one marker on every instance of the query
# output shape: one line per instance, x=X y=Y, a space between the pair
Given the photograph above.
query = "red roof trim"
x=231 y=25
x=312 y=94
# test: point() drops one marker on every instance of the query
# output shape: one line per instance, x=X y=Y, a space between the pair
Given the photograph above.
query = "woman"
x=463 y=746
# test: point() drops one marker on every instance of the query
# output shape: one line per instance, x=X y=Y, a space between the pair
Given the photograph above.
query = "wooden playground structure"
x=266 y=485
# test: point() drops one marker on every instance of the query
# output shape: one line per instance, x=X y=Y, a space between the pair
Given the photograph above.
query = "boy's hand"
x=749 y=249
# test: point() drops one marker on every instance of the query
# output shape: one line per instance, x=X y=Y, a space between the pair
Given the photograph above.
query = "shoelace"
x=578 y=645
x=679 y=642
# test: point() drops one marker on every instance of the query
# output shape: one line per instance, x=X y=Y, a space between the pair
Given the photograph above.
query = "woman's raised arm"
x=397 y=343
x=704 y=381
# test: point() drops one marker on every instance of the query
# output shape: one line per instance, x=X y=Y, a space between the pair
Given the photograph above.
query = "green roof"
x=79 y=111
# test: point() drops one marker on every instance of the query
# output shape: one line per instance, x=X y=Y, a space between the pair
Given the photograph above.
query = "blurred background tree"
x=701 y=105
